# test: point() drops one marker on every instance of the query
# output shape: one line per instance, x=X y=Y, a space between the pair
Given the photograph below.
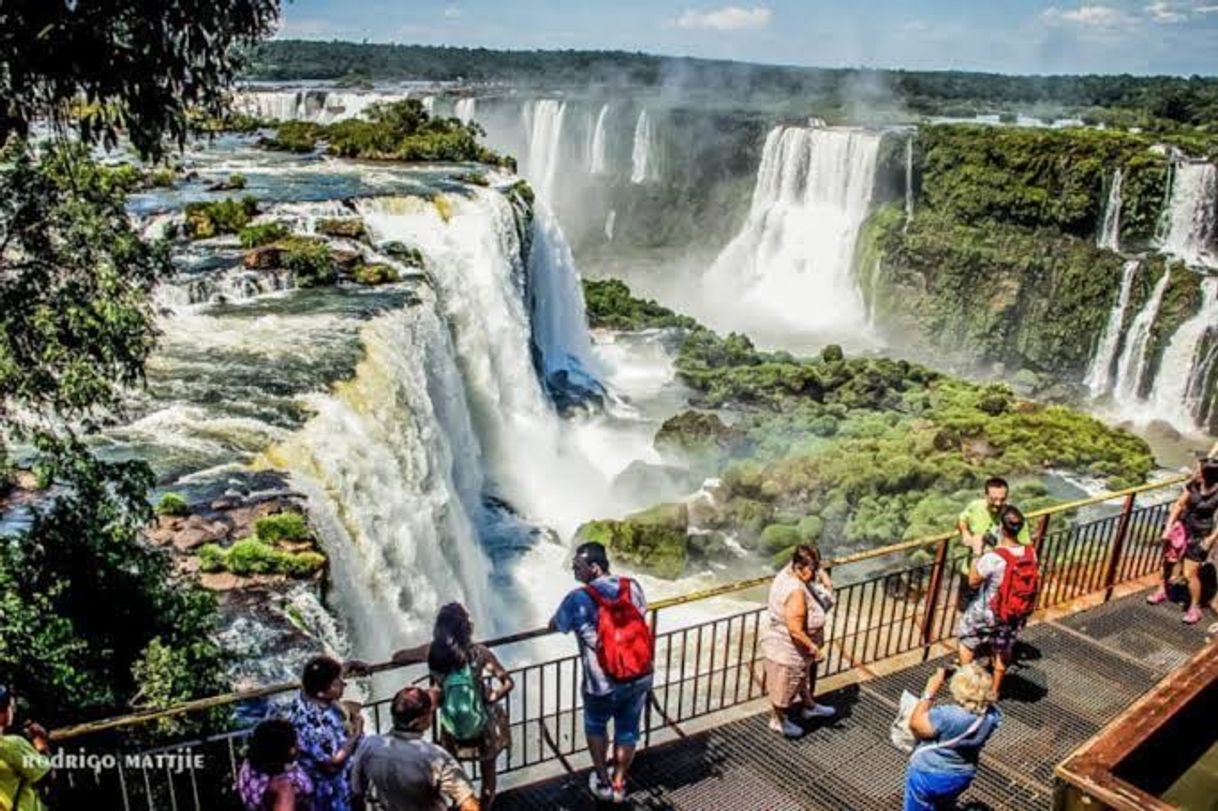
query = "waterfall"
x=429 y=104
x=389 y=462
x=557 y=313
x=1110 y=231
x=317 y=106
x=465 y=109
x=475 y=259
x=596 y=154
x=610 y=225
x=1192 y=219
x=543 y=122
x=1178 y=391
x=642 y=162
x=909 y=186
x=791 y=262
x=1132 y=365
x=1099 y=376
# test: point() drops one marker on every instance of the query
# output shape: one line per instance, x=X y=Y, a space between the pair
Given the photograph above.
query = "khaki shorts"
x=784 y=683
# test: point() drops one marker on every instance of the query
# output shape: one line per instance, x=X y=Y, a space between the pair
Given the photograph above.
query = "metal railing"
x=702 y=667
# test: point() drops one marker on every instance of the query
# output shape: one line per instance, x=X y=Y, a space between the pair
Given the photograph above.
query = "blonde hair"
x=970 y=687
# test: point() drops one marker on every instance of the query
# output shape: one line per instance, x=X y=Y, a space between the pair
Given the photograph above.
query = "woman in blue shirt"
x=325 y=747
x=950 y=738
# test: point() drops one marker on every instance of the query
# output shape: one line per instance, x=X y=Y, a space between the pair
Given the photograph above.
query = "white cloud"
x=1206 y=9
x=728 y=18
x=1164 y=12
x=453 y=13
x=1092 y=16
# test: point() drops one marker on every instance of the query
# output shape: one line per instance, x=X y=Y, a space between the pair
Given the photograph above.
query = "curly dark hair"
x=450 y=640
x=271 y=746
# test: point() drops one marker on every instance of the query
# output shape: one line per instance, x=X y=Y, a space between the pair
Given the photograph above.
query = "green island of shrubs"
x=397 y=131
x=213 y=218
x=850 y=452
x=260 y=555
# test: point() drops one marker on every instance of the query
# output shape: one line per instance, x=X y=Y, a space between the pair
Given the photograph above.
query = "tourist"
x=1006 y=580
x=269 y=779
x=1194 y=509
x=473 y=724
x=792 y=640
x=325 y=748
x=617 y=665
x=407 y=772
x=944 y=764
x=978 y=523
x=23 y=759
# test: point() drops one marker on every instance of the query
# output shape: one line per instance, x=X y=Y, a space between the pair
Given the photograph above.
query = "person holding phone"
x=950 y=738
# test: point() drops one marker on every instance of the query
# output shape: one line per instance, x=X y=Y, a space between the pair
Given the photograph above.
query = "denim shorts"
x=624 y=705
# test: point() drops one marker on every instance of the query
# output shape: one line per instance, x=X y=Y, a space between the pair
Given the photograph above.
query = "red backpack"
x=1016 y=597
x=626 y=647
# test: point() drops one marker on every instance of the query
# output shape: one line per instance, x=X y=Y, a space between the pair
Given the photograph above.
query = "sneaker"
x=600 y=790
x=1212 y=630
x=619 y=791
x=1159 y=596
x=1192 y=616
x=817 y=711
x=786 y=728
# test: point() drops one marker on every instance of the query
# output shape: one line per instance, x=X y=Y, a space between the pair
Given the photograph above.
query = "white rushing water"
x=1110 y=229
x=543 y=122
x=1099 y=376
x=642 y=162
x=1177 y=391
x=429 y=104
x=465 y=109
x=1192 y=226
x=596 y=150
x=317 y=106
x=790 y=267
x=1131 y=368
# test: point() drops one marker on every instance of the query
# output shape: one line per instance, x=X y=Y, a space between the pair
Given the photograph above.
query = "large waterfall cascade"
x=1177 y=393
x=543 y=120
x=1192 y=215
x=792 y=261
x=317 y=106
x=597 y=163
x=1110 y=229
x=1100 y=375
x=1131 y=368
x=465 y=109
x=642 y=155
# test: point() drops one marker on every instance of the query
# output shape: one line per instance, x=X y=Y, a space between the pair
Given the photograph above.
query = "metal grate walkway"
x=1073 y=677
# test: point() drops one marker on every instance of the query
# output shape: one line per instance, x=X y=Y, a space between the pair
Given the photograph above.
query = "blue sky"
x=1013 y=36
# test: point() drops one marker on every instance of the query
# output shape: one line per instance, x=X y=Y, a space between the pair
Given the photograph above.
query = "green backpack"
x=463 y=710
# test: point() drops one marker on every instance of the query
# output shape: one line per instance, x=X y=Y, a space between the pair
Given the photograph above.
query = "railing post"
x=655 y=624
x=932 y=596
x=1118 y=545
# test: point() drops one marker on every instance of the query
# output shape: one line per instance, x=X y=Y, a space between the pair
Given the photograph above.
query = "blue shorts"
x=624 y=705
x=933 y=791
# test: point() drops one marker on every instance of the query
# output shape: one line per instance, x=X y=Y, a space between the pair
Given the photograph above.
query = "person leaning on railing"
x=792 y=640
x=325 y=744
x=944 y=764
x=23 y=759
x=1195 y=510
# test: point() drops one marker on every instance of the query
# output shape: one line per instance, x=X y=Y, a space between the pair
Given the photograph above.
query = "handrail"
x=224 y=699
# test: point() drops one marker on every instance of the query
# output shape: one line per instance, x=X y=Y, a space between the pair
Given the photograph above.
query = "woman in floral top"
x=325 y=747
x=269 y=780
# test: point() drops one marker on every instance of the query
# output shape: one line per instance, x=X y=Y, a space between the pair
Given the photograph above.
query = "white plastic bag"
x=902 y=737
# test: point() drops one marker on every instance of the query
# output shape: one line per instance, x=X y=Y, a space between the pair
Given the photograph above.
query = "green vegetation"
x=287 y=526
x=852 y=452
x=408 y=256
x=251 y=556
x=375 y=274
x=172 y=504
x=342 y=227
x=400 y=131
x=228 y=216
x=611 y=306
x=255 y=236
x=309 y=259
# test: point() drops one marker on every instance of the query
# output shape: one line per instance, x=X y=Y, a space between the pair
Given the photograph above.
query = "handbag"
x=900 y=733
x=1175 y=541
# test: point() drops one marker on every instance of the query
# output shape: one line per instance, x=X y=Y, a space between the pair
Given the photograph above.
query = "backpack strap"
x=951 y=744
x=596 y=596
x=624 y=590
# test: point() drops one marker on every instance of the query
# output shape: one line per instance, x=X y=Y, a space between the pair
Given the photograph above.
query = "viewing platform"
x=1093 y=649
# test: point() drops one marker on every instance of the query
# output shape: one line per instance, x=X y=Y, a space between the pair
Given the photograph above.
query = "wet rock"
x=1158 y=429
x=265 y=257
x=699 y=431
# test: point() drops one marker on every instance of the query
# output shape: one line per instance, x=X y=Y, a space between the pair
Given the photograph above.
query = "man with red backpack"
x=608 y=616
x=1006 y=580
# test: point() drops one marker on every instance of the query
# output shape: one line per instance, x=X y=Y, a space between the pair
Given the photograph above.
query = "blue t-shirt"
x=577 y=614
x=949 y=722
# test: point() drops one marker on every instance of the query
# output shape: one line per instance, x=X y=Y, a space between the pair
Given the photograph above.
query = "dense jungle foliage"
x=850 y=452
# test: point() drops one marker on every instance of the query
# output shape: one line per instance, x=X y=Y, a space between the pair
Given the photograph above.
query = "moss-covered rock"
x=400 y=251
x=342 y=227
x=375 y=274
x=255 y=236
x=228 y=216
x=701 y=432
x=653 y=541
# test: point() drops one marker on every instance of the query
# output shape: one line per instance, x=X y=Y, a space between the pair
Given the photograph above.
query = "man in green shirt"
x=979 y=521
x=23 y=762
